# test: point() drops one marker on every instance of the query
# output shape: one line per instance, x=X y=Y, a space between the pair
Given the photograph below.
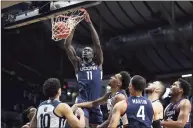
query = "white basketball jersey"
x=110 y=103
x=46 y=118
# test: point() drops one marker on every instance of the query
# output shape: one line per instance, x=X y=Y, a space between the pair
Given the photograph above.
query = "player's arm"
x=156 y=121
x=70 y=51
x=106 y=123
x=155 y=111
x=118 y=98
x=96 y=42
x=25 y=126
x=33 y=123
x=183 y=117
x=158 y=110
x=94 y=103
x=73 y=121
x=118 y=110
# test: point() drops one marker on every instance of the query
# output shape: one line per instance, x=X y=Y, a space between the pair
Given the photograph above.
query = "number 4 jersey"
x=46 y=117
x=139 y=112
x=89 y=79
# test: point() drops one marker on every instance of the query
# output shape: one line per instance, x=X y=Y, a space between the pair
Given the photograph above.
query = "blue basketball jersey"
x=172 y=112
x=89 y=78
x=139 y=112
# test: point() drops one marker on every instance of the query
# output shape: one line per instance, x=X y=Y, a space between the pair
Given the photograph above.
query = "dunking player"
x=88 y=71
x=177 y=113
x=28 y=115
x=118 y=84
x=155 y=91
x=52 y=113
x=138 y=109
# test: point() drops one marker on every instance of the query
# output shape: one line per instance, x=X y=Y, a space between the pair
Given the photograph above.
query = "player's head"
x=52 y=88
x=87 y=53
x=120 y=80
x=137 y=84
x=180 y=87
x=28 y=114
x=157 y=87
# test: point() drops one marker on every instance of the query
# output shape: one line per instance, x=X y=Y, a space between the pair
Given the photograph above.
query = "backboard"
x=6 y=4
x=39 y=11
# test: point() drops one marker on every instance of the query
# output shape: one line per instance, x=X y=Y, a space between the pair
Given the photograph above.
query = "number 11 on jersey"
x=89 y=75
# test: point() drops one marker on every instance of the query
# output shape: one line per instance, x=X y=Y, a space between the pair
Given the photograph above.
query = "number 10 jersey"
x=46 y=117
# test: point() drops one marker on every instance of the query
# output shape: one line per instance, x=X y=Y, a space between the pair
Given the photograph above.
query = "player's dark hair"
x=51 y=87
x=138 y=82
x=185 y=86
x=125 y=79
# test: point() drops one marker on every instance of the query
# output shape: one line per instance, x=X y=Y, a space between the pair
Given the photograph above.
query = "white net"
x=62 y=25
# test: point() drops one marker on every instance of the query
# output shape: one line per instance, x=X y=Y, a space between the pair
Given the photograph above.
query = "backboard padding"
x=32 y=17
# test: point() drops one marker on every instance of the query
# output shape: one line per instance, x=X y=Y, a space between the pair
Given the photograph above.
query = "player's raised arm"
x=71 y=53
x=96 y=41
x=33 y=123
x=183 y=117
x=118 y=110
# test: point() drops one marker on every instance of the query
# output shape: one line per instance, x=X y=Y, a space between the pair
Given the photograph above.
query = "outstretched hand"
x=79 y=112
x=87 y=18
x=74 y=108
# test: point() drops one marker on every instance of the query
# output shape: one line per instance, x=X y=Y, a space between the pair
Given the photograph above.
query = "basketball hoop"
x=62 y=25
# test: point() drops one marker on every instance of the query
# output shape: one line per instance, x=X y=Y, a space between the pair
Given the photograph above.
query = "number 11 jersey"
x=89 y=78
x=46 y=117
x=139 y=112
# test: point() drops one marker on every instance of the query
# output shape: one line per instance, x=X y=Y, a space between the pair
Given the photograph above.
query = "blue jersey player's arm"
x=183 y=118
x=71 y=53
x=96 y=42
x=118 y=110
